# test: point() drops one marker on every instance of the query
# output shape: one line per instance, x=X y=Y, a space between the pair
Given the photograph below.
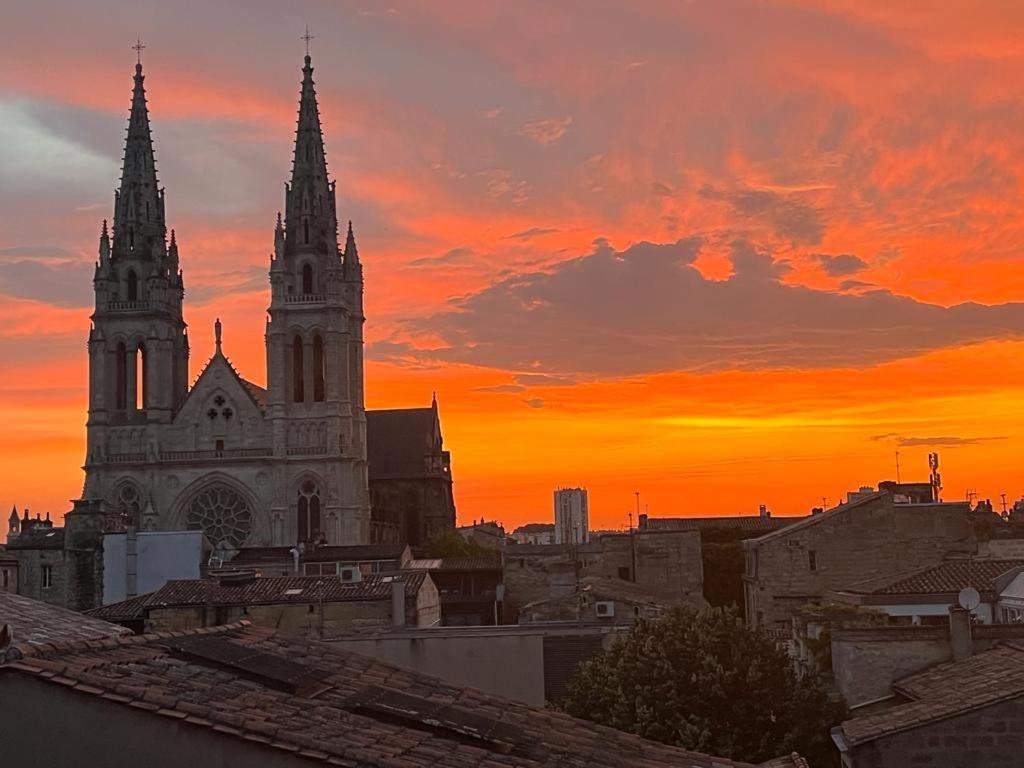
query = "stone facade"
x=664 y=562
x=247 y=465
x=871 y=536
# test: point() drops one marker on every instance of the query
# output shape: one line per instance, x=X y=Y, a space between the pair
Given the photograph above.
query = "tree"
x=452 y=544
x=704 y=682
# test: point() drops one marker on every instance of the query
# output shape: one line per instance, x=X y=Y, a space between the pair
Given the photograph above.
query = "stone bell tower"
x=138 y=346
x=314 y=340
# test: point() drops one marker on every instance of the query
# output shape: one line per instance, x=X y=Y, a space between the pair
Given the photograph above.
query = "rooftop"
x=34 y=622
x=269 y=590
x=399 y=442
x=333 y=706
x=347 y=553
x=753 y=523
x=40 y=537
x=605 y=588
x=945 y=578
x=944 y=691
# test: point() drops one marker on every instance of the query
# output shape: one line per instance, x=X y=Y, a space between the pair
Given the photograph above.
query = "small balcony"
x=305 y=298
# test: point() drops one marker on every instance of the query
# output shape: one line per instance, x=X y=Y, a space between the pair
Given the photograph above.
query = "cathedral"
x=249 y=466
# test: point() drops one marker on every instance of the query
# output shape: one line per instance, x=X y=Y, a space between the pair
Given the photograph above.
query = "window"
x=298 y=383
x=221 y=514
x=308 y=511
x=6 y=577
x=307 y=278
x=624 y=573
x=121 y=377
x=140 y=378
x=305 y=231
x=812 y=560
x=219 y=447
x=131 y=281
x=129 y=504
x=47 y=576
x=318 y=369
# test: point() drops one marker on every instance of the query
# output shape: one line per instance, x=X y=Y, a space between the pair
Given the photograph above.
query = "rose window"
x=129 y=504
x=222 y=515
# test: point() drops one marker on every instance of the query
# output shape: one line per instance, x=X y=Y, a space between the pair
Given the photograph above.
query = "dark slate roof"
x=751 y=523
x=330 y=553
x=270 y=590
x=945 y=578
x=945 y=691
x=38 y=538
x=35 y=622
x=238 y=682
x=398 y=442
x=536 y=550
x=256 y=392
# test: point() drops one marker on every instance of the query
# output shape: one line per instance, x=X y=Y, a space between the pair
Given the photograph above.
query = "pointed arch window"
x=318 y=368
x=305 y=231
x=131 y=286
x=308 y=511
x=121 y=377
x=298 y=382
x=129 y=505
x=307 y=278
x=139 y=373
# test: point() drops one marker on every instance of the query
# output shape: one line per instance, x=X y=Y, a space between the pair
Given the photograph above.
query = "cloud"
x=451 y=256
x=529 y=234
x=855 y=285
x=56 y=280
x=839 y=265
x=535 y=402
x=490 y=114
x=647 y=309
x=547 y=131
x=934 y=442
x=791 y=218
x=502 y=389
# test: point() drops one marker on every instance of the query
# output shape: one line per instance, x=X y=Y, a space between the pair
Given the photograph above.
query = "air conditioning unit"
x=350 y=574
x=604 y=608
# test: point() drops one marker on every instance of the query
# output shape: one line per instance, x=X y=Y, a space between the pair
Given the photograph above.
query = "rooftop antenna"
x=138 y=50
x=307 y=37
x=897 y=465
x=1003 y=497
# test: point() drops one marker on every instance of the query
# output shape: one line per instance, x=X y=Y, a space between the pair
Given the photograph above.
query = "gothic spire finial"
x=138 y=47
x=217 y=333
x=307 y=37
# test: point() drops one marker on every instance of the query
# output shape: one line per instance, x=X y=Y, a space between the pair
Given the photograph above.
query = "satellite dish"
x=969 y=598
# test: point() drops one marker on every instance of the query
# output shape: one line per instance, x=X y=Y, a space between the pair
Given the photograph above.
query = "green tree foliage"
x=704 y=682
x=452 y=544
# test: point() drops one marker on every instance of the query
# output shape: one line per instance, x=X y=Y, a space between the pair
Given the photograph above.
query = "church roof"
x=400 y=441
x=289 y=695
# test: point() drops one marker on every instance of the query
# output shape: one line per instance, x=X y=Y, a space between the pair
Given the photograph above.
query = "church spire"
x=139 y=226
x=310 y=220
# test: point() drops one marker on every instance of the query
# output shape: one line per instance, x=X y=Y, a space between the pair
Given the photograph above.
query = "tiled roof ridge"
x=958 y=707
x=45 y=650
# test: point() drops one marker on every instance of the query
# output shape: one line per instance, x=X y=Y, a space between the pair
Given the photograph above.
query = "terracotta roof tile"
x=261 y=590
x=165 y=678
x=38 y=623
x=945 y=578
x=944 y=691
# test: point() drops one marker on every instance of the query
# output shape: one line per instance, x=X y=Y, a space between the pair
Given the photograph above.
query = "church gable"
x=221 y=411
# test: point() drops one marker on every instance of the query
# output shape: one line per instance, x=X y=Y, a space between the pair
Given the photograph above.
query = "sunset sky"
x=724 y=253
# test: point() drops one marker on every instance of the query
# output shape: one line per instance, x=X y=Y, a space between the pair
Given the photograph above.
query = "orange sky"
x=725 y=254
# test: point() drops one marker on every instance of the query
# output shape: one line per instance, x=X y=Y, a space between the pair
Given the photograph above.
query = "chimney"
x=762 y=511
x=398 y=603
x=961 y=641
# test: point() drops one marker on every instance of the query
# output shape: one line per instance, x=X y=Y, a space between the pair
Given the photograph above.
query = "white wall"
x=159 y=557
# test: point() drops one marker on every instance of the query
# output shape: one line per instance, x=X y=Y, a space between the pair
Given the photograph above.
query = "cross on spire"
x=307 y=37
x=138 y=50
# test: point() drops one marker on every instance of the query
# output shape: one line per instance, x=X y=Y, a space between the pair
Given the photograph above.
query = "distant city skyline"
x=642 y=246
